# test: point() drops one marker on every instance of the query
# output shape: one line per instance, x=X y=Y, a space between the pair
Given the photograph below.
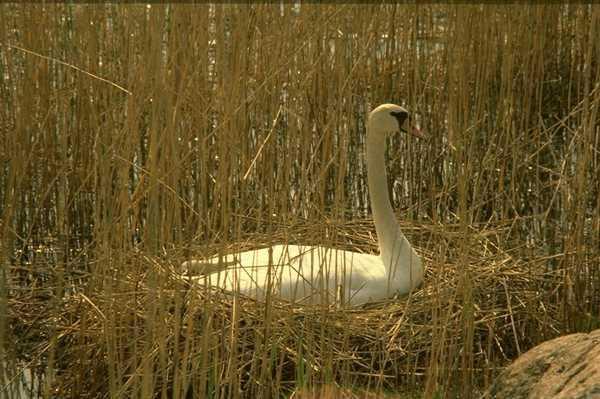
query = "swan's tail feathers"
x=203 y=267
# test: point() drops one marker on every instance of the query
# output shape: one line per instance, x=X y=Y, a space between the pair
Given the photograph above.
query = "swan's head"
x=392 y=118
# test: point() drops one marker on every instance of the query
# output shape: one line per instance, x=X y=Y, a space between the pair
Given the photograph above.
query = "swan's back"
x=302 y=274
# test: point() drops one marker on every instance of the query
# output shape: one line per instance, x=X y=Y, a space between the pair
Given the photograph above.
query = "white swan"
x=320 y=275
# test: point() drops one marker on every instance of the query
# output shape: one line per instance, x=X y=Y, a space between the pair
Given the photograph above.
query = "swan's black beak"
x=402 y=117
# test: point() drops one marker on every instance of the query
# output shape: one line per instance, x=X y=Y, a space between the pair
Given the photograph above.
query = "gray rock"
x=563 y=368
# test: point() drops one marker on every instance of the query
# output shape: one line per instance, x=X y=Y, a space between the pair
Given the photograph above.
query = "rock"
x=563 y=368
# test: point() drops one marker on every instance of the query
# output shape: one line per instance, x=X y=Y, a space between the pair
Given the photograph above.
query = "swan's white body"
x=320 y=275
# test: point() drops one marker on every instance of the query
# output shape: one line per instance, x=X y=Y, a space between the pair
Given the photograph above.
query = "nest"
x=150 y=332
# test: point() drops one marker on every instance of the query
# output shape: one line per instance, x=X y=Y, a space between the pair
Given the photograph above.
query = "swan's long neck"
x=393 y=245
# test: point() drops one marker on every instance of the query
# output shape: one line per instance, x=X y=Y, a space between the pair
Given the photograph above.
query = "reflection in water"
x=19 y=382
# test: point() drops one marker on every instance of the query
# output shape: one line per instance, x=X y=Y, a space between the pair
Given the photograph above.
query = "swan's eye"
x=401 y=117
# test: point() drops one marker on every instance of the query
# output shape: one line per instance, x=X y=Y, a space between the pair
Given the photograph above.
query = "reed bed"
x=134 y=137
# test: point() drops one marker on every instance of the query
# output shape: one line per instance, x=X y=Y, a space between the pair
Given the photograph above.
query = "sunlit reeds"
x=134 y=137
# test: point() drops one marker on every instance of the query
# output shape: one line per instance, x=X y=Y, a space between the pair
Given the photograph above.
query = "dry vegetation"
x=135 y=136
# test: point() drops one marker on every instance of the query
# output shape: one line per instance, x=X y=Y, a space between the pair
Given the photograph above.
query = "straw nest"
x=480 y=306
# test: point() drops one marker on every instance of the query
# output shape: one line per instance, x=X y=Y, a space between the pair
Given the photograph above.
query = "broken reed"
x=240 y=125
